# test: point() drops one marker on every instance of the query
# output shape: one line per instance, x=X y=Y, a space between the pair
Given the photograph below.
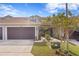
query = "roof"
x=16 y=20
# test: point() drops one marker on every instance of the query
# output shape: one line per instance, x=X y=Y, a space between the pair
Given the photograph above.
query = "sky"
x=40 y=9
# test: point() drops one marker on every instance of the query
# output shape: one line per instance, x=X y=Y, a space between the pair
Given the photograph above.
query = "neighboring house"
x=18 y=28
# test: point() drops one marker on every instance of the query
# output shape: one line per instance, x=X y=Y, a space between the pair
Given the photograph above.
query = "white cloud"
x=10 y=10
x=53 y=11
x=73 y=6
x=53 y=8
x=39 y=12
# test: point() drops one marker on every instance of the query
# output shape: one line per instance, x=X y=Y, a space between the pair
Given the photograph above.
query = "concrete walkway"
x=74 y=42
x=70 y=40
x=16 y=47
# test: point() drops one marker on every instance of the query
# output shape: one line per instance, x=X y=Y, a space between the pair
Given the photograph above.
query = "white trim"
x=36 y=32
x=5 y=33
x=4 y=30
x=21 y=23
x=20 y=26
x=1 y=26
x=19 y=39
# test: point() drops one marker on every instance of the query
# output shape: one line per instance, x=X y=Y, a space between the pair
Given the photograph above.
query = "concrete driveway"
x=16 y=47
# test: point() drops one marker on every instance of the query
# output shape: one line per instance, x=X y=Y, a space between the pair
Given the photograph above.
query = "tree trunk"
x=67 y=40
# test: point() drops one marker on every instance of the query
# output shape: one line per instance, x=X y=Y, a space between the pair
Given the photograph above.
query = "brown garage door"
x=21 y=33
x=0 y=33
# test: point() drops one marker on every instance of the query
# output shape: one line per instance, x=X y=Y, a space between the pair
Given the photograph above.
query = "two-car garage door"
x=16 y=33
x=20 y=33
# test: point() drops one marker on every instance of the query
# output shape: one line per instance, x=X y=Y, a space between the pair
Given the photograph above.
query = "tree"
x=62 y=22
x=56 y=22
x=45 y=25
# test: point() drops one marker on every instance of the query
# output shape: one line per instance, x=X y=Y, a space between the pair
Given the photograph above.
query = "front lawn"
x=74 y=49
x=41 y=49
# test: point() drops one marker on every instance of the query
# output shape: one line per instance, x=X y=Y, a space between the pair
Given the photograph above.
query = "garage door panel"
x=0 y=33
x=21 y=32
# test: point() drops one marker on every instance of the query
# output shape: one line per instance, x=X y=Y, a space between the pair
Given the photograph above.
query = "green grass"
x=41 y=49
x=74 y=49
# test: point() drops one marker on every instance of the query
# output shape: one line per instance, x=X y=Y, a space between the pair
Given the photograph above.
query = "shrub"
x=55 y=45
x=47 y=36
